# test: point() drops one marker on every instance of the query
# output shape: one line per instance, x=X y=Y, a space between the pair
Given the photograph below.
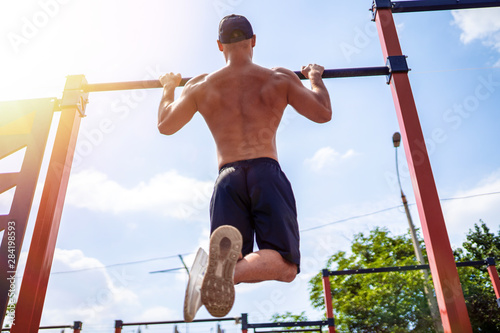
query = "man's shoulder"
x=285 y=74
x=282 y=70
x=197 y=79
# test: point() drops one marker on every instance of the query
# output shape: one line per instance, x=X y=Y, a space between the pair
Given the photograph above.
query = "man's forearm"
x=319 y=88
x=169 y=81
x=167 y=99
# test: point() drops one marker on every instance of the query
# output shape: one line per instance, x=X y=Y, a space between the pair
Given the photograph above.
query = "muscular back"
x=243 y=103
x=243 y=108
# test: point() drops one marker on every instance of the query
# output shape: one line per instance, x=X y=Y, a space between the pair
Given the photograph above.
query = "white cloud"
x=481 y=24
x=326 y=157
x=168 y=193
x=88 y=293
x=153 y=313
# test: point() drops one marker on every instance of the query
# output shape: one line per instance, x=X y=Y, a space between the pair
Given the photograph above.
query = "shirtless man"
x=242 y=104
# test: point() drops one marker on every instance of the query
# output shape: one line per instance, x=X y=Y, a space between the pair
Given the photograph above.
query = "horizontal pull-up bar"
x=431 y=5
x=120 y=324
x=397 y=269
x=148 y=84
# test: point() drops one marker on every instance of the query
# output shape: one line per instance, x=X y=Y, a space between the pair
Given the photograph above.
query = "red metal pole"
x=328 y=301
x=495 y=281
x=36 y=275
x=449 y=293
x=13 y=138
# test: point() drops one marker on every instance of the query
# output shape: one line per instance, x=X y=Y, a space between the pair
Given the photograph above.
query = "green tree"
x=288 y=317
x=478 y=290
x=379 y=302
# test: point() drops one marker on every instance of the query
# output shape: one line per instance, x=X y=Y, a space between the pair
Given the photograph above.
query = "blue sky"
x=137 y=199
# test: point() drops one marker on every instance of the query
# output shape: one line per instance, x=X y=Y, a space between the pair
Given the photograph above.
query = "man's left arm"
x=174 y=114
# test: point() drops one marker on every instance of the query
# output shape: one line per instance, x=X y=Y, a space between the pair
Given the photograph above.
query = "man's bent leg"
x=264 y=265
x=217 y=289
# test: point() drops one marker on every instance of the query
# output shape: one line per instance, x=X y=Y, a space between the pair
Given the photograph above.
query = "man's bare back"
x=242 y=107
x=243 y=104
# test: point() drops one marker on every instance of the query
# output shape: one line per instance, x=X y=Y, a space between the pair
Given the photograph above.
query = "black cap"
x=231 y=23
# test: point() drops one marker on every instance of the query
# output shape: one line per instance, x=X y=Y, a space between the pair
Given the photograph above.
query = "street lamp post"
x=396 y=140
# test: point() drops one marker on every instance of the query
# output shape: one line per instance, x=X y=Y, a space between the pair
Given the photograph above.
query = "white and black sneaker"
x=217 y=289
x=192 y=300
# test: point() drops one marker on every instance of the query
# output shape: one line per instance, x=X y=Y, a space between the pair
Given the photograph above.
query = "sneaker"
x=217 y=289
x=192 y=300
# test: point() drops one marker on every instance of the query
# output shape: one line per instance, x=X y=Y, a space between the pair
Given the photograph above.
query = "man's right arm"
x=174 y=114
x=313 y=103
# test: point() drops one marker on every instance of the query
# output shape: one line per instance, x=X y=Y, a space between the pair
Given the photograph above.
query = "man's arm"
x=173 y=115
x=313 y=103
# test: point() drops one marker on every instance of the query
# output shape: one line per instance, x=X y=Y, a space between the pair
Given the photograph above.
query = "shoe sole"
x=217 y=289
x=201 y=257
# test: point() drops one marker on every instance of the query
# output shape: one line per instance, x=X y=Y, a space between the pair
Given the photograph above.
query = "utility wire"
x=387 y=209
x=122 y=264
x=452 y=70
x=350 y=218
x=303 y=230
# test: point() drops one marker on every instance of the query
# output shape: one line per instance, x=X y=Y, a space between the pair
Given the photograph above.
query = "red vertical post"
x=495 y=281
x=36 y=275
x=328 y=301
x=33 y=135
x=449 y=293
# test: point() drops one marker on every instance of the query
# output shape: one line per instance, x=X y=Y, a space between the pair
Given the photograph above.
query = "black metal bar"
x=378 y=270
x=290 y=331
x=432 y=5
x=77 y=325
x=399 y=268
x=288 y=324
x=472 y=263
x=244 y=321
x=149 y=84
x=490 y=261
x=181 y=321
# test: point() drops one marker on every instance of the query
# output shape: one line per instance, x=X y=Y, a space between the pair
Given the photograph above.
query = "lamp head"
x=396 y=139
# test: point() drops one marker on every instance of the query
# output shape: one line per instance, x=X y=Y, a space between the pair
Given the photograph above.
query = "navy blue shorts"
x=256 y=197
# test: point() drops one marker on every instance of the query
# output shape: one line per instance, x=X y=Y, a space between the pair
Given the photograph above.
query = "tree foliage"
x=379 y=302
x=395 y=301
x=290 y=317
x=484 y=312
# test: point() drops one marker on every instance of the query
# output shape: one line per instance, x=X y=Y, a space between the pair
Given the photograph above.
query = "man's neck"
x=238 y=62
x=239 y=58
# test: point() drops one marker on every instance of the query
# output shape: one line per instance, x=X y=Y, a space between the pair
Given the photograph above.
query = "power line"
x=350 y=218
x=453 y=70
x=387 y=209
x=303 y=230
x=120 y=264
x=471 y=196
